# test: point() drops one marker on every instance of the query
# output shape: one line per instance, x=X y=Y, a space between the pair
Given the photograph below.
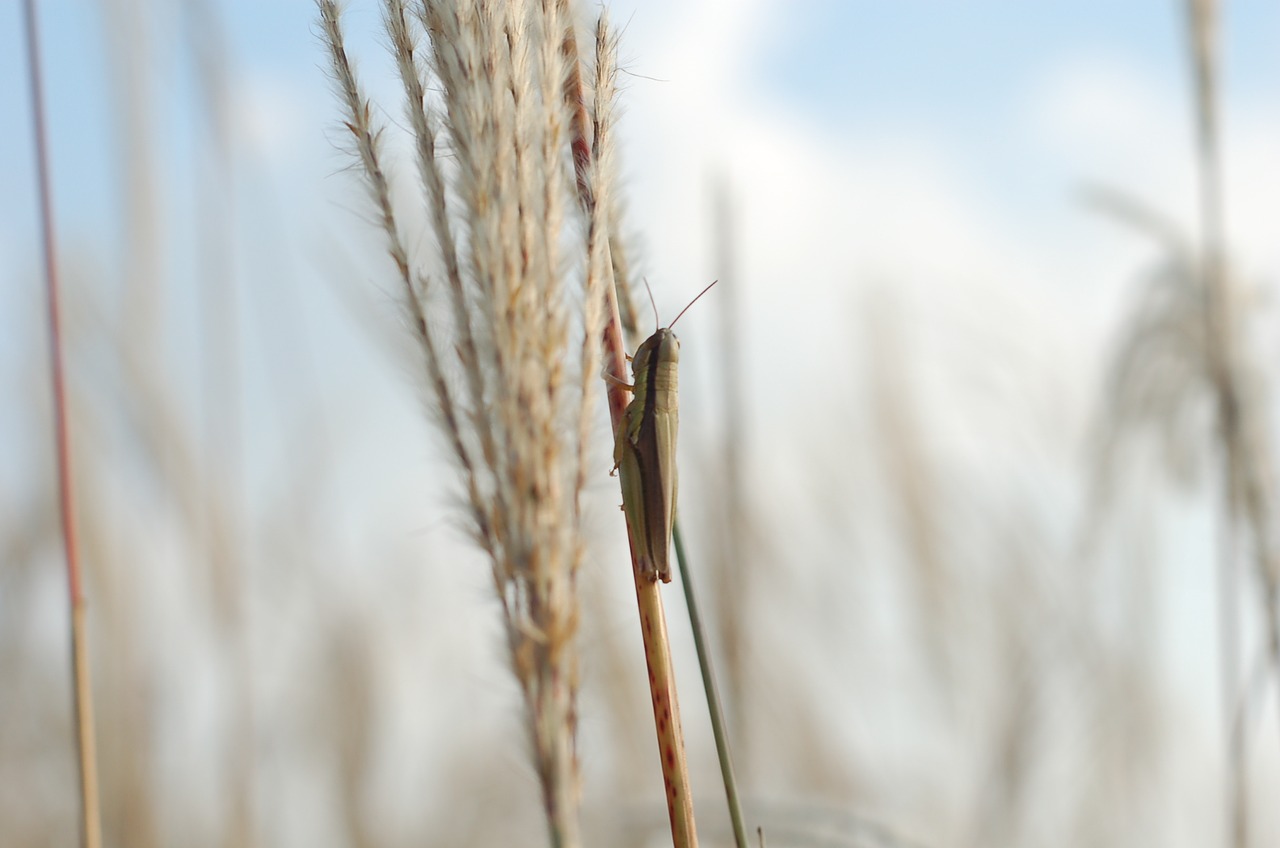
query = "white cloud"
x=270 y=117
x=818 y=215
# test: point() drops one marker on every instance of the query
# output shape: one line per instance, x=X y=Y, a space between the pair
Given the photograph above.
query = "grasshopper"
x=645 y=450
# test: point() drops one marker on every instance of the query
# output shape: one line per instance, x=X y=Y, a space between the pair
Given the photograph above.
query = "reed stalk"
x=503 y=141
x=1248 y=471
x=591 y=163
x=81 y=683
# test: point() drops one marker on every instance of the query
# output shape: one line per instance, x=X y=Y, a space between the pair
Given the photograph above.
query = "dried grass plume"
x=509 y=346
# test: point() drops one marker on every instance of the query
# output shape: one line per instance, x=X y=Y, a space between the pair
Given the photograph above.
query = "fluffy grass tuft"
x=510 y=348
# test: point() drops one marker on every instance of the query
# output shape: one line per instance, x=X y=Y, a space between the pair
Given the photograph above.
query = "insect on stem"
x=645 y=450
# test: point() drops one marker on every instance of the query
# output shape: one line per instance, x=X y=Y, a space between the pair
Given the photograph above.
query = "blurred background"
x=949 y=469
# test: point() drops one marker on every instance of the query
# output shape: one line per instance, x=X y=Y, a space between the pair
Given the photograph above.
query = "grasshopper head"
x=662 y=346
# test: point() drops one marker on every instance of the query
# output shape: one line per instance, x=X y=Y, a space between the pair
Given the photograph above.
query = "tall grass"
x=501 y=313
x=1248 y=467
x=1185 y=352
x=81 y=684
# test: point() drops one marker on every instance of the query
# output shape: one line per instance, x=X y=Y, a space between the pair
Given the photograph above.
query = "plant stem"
x=90 y=822
x=1248 y=467
x=718 y=729
x=653 y=623
x=732 y=567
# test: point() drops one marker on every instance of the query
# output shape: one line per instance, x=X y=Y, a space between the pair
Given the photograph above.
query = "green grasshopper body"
x=645 y=452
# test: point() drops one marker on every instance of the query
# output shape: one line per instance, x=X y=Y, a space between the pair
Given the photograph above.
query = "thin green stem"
x=718 y=728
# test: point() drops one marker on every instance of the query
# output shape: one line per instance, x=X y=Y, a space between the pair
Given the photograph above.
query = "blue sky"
x=928 y=148
x=956 y=72
x=937 y=144
x=934 y=144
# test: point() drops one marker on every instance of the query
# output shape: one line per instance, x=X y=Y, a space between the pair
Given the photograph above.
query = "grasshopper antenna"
x=652 y=302
x=691 y=303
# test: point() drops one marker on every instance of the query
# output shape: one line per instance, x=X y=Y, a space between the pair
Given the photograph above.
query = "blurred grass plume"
x=509 y=347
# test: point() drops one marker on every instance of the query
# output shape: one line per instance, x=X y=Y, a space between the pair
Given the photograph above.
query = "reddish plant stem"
x=653 y=628
x=653 y=622
x=90 y=823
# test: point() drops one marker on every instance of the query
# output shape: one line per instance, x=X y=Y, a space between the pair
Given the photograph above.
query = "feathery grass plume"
x=1166 y=377
x=1249 y=468
x=653 y=628
x=1184 y=364
x=1158 y=376
x=601 y=208
x=622 y=274
x=518 y=417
